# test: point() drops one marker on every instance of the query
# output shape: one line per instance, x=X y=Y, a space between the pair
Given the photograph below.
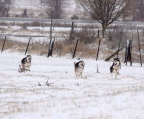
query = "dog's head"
x=29 y=58
x=116 y=61
x=81 y=63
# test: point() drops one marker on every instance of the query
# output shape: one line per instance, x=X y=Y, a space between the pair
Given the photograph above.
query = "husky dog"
x=115 y=67
x=79 y=67
x=25 y=64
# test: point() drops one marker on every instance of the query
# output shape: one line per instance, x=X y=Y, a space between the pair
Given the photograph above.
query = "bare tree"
x=56 y=6
x=105 y=11
x=138 y=10
x=24 y=13
x=4 y=7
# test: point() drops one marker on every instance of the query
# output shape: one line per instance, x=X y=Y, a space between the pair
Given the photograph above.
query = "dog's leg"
x=23 y=70
x=20 y=70
x=28 y=68
x=118 y=71
x=81 y=74
x=115 y=74
x=76 y=73
x=111 y=74
x=23 y=67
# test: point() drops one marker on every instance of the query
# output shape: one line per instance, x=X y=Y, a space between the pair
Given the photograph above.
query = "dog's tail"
x=111 y=69
x=74 y=65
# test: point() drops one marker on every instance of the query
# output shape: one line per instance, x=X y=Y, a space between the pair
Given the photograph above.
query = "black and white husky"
x=25 y=64
x=115 y=67
x=78 y=68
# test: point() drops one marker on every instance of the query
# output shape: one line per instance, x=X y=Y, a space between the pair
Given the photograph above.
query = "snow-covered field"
x=95 y=96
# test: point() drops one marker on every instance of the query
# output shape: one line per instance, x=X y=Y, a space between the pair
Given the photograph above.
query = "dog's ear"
x=28 y=55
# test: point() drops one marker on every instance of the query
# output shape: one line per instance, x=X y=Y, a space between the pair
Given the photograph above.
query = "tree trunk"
x=8 y=11
x=103 y=30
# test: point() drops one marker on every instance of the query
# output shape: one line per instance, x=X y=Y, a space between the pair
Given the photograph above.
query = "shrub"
x=74 y=16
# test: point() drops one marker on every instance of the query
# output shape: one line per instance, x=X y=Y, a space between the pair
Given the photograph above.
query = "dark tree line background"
x=4 y=8
x=135 y=9
x=138 y=10
x=57 y=6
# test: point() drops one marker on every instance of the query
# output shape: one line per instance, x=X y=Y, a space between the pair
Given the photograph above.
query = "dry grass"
x=13 y=45
x=65 y=48
x=61 y=48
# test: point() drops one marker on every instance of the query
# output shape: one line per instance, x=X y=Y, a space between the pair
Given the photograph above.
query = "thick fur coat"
x=78 y=68
x=26 y=63
x=116 y=66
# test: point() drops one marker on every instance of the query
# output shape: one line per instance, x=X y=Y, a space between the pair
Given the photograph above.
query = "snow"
x=95 y=96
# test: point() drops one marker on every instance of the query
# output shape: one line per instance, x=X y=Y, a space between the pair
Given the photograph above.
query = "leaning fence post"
x=27 y=46
x=75 y=49
x=128 y=52
x=139 y=48
x=131 y=48
x=50 y=33
x=51 y=47
x=98 y=47
x=3 y=44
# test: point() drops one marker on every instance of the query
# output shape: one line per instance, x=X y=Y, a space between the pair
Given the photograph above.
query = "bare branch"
x=104 y=11
x=56 y=6
x=4 y=7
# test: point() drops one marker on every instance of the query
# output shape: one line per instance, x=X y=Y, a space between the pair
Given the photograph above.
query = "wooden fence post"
x=72 y=27
x=3 y=44
x=131 y=49
x=128 y=52
x=139 y=48
x=75 y=49
x=51 y=47
x=50 y=34
x=98 y=46
x=27 y=46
